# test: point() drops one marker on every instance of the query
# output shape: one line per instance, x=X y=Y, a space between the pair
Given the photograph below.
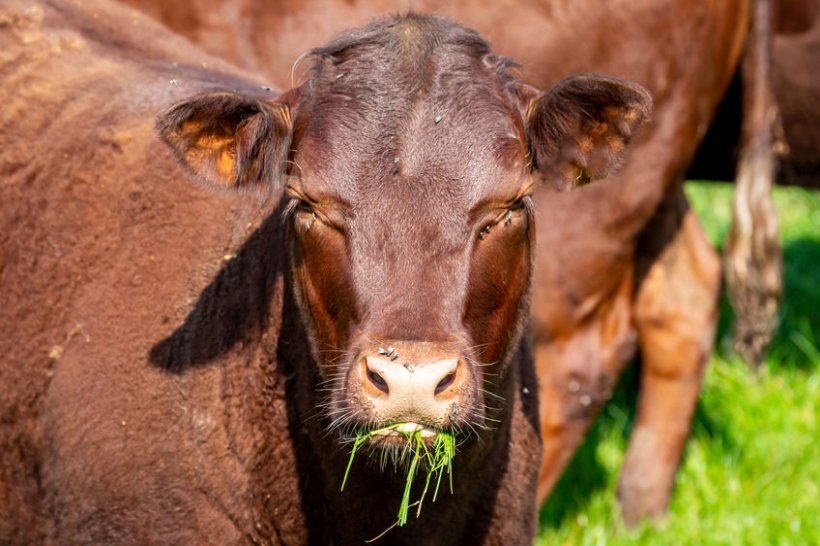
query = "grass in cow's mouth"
x=436 y=460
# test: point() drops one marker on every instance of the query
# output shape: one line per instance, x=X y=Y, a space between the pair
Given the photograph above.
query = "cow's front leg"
x=675 y=314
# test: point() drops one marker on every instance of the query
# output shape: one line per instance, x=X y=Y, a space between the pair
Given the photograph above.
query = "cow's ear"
x=578 y=131
x=229 y=140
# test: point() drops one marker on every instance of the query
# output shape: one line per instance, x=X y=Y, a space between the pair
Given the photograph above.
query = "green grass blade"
x=439 y=460
x=405 y=499
x=360 y=439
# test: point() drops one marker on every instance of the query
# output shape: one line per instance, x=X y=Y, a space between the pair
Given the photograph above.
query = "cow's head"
x=408 y=159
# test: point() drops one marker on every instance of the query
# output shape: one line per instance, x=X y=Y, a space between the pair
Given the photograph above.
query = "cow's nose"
x=408 y=379
x=402 y=390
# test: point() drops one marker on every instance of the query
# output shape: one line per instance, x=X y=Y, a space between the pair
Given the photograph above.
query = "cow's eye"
x=301 y=213
x=507 y=217
x=303 y=207
x=305 y=217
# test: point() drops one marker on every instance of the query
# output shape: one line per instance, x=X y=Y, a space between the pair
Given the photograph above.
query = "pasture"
x=750 y=472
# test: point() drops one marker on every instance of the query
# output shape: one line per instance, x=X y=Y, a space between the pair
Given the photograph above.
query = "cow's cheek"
x=499 y=276
x=323 y=274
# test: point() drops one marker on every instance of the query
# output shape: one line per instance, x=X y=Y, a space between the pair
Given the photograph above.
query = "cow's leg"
x=576 y=376
x=564 y=420
x=675 y=315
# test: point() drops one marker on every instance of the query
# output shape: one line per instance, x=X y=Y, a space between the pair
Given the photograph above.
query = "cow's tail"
x=753 y=259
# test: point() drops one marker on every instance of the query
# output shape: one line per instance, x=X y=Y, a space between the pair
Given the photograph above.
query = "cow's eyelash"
x=290 y=209
x=295 y=204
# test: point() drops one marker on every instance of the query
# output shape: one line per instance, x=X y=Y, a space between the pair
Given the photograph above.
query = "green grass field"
x=751 y=470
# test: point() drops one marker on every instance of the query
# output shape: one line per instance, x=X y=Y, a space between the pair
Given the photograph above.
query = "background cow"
x=174 y=358
x=235 y=30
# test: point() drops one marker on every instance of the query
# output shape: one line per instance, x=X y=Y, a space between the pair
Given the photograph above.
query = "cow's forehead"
x=419 y=110
x=442 y=157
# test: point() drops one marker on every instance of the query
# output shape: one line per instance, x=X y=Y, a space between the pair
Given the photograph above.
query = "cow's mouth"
x=415 y=448
x=400 y=433
x=407 y=445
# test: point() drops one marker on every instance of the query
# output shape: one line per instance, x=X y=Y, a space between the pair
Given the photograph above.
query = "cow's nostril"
x=378 y=381
x=446 y=382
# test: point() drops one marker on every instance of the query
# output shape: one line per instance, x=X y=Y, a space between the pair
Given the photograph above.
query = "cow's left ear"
x=578 y=131
x=229 y=140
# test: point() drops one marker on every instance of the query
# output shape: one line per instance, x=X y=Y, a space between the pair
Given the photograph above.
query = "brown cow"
x=173 y=358
x=620 y=266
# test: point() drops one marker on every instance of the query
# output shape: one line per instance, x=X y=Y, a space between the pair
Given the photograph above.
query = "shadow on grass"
x=795 y=345
x=582 y=478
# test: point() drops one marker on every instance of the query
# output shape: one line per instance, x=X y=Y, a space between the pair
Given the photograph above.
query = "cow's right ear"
x=229 y=140
x=579 y=130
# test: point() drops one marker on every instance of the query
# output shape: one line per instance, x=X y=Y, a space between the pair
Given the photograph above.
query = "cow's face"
x=408 y=159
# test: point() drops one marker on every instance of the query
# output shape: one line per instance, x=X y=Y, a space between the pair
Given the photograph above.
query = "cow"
x=621 y=267
x=198 y=315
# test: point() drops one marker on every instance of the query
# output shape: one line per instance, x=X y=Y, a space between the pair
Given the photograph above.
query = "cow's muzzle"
x=414 y=383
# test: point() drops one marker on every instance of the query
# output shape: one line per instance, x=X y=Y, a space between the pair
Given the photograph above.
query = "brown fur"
x=167 y=344
x=621 y=266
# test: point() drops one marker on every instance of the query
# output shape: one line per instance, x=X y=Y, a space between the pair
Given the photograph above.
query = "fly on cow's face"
x=390 y=352
x=508 y=218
